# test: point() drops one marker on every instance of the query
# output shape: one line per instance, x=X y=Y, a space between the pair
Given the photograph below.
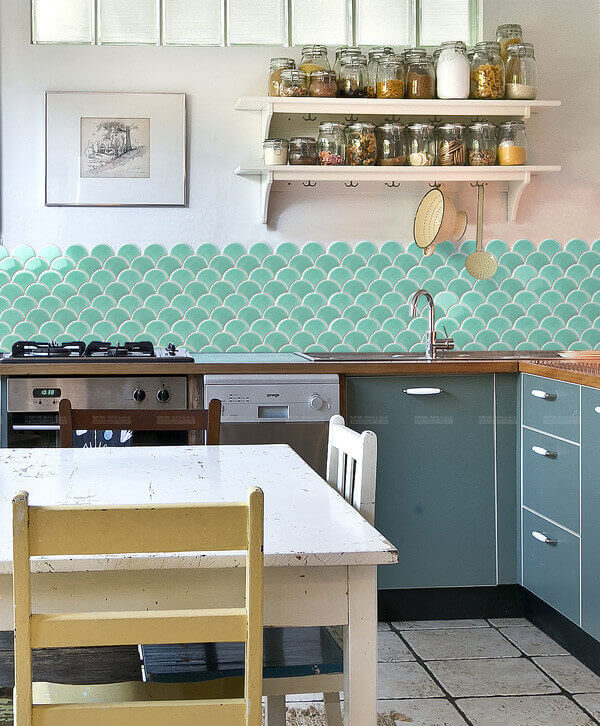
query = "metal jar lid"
x=361 y=126
x=274 y=142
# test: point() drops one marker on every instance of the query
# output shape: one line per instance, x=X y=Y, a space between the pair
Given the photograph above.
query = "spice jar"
x=512 y=144
x=331 y=144
x=482 y=144
x=420 y=143
x=276 y=66
x=293 y=83
x=451 y=145
x=521 y=72
x=507 y=35
x=420 y=77
x=453 y=71
x=487 y=71
x=344 y=50
x=391 y=149
x=303 y=150
x=352 y=82
x=323 y=84
x=275 y=152
x=390 y=77
x=361 y=145
x=375 y=55
x=314 y=58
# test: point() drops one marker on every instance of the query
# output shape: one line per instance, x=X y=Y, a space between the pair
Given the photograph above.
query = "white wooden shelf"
x=515 y=178
x=351 y=107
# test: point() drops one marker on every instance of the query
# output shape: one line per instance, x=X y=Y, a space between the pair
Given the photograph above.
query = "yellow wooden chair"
x=69 y=531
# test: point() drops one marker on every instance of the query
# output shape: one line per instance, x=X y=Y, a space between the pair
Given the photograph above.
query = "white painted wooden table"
x=320 y=554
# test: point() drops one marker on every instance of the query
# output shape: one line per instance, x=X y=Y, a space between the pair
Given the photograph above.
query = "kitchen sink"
x=448 y=356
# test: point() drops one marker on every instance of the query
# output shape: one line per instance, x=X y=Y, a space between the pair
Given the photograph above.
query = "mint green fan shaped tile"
x=511 y=285
x=140 y=289
x=247 y=263
x=77 y=329
x=222 y=289
x=314 y=301
x=50 y=278
x=142 y=265
x=365 y=250
x=235 y=276
x=537 y=260
x=196 y=341
x=262 y=348
x=23 y=278
x=89 y=337
x=49 y=252
x=380 y=313
x=77 y=303
x=289 y=327
x=35 y=265
x=526 y=345
x=402 y=312
x=406 y=288
x=274 y=288
x=578 y=298
x=341 y=326
x=472 y=299
x=368 y=348
x=156 y=302
x=170 y=338
x=194 y=264
x=116 y=290
x=314 y=276
x=391 y=248
x=129 y=252
x=354 y=313
x=10 y=266
x=392 y=275
x=512 y=311
x=485 y=311
x=156 y=329
x=550 y=247
x=380 y=288
x=51 y=303
x=327 y=313
x=76 y=278
x=276 y=340
x=526 y=324
x=261 y=276
x=116 y=264
x=405 y=261
x=510 y=260
x=249 y=314
x=499 y=324
x=461 y=338
x=181 y=251
x=456 y=261
x=580 y=345
x=502 y=273
x=512 y=338
x=327 y=288
x=25 y=330
x=459 y=286
x=339 y=348
x=249 y=340
x=538 y=286
x=248 y=288
x=103 y=303
x=22 y=253
x=341 y=300
x=91 y=316
x=183 y=328
x=458 y=312
x=420 y=325
x=260 y=250
x=552 y=298
x=500 y=346
x=591 y=336
x=367 y=300
x=223 y=340
x=407 y=338
x=368 y=326
x=195 y=289
x=394 y=326
x=474 y=346
x=378 y=261
x=487 y=337
x=432 y=262
x=288 y=301
x=196 y=315
x=524 y=247
x=235 y=301
x=565 y=285
x=497 y=247
x=590 y=310
x=303 y=340
x=564 y=260
x=565 y=337
x=285 y=249
x=565 y=311
x=579 y=324
x=64 y=291
x=170 y=315
x=11 y=291
x=353 y=262
x=220 y=263
x=380 y=339
x=102 y=252
x=420 y=275
x=525 y=298
x=37 y=316
x=355 y=339
x=155 y=277
x=89 y=265
x=117 y=316
x=366 y=275
x=236 y=327
x=274 y=263
x=355 y=287
x=287 y=276
x=262 y=327
x=443 y=299
x=209 y=302
x=553 y=324
x=312 y=250
x=339 y=250
x=221 y=314
x=473 y=325
x=445 y=274
x=183 y=277
x=577 y=272
x=445 y=249
x=5 y=304
x=467 y=246
x=261 y=301
x=524 y=273
x=590 y=259
x=103 y=277
x=577 y=247
x=51 y=329
x=64 y=317
x=155 y=252
x=392 y=300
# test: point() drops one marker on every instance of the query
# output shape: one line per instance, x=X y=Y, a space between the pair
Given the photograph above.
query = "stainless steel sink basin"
x=448 y=356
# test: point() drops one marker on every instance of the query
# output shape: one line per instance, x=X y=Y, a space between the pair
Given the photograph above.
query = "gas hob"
x=31 y=351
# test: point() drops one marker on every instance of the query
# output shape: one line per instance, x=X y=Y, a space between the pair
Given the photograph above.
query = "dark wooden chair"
x=92 y=419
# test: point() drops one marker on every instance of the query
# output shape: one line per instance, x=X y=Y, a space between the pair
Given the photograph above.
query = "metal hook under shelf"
x=351 y=119
x=478 y=184
x=309 y=184
x=435 y=120
x=435 y=185
x=392 y=184
x=351 y=184
x=309 y=117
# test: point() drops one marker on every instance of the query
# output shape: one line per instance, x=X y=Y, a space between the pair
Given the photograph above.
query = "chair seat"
x=287 y=653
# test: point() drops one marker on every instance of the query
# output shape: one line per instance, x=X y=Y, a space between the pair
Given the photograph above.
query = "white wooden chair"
x=70 y=531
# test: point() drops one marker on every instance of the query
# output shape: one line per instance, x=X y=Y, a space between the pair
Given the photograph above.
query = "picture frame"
x=115 y=149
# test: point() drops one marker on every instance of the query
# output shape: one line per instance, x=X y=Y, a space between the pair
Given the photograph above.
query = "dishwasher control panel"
x=249 y=399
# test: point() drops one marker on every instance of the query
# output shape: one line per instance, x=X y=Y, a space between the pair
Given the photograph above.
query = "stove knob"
x=316 y=402
x=162 y=396
x=139 y=395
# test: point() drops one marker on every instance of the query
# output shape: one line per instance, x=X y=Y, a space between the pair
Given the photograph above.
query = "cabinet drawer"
x=551 y=406
x=551 y=568
x=551 y=478
x=590 y=510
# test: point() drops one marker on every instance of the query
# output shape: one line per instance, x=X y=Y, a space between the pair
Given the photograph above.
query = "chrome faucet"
x=432 y=343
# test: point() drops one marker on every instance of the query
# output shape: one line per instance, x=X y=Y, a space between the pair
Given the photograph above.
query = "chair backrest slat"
x=352 y=466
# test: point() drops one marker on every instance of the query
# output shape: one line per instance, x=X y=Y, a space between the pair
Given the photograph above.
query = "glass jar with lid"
x=451 y=145
x=521 y=72
x=275 y=67
x=293 y=83
x=323 y=84
x=507 y=35
x=420 y=77
x=512 y=144
x=375 y=55
x=275 y=152
x=303 y=151
x=390 y=77
x=482 y=144
x=344 y=50
x=361 y=145
x=331 y=144
x=391 y=148
x=314 y=58
x=420 y=144
x=487 y=71
x=352 y=81
x=435 y=57
x=453 y=72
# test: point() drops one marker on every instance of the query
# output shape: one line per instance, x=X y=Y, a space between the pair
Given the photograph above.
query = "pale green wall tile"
x=286 y=250
x=102 y=252
x=524 y=247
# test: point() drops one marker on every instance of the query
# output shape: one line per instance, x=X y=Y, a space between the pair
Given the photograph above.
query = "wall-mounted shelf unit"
x=267 y=106
x=514 y=178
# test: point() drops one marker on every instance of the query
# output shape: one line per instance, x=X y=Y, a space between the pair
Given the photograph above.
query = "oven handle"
x=36 y=427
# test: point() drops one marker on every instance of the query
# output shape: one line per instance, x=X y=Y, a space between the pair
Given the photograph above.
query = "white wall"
x=224 y=208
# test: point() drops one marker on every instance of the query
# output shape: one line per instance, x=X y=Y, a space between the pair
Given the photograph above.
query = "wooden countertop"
x=585 y=373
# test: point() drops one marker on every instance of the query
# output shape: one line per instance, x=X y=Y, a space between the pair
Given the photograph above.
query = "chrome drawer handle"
x=36 y=427
x=423 y=391
x=597 y=409
x=541 y=537
x=542 y=394
x=544 y=452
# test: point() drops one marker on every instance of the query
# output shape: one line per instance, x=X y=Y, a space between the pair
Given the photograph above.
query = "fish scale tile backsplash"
x=312 y=298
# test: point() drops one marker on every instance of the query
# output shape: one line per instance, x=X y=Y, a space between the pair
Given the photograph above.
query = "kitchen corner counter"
x=583 y=372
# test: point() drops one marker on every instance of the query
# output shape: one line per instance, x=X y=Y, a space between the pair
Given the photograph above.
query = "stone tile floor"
x=501 y=672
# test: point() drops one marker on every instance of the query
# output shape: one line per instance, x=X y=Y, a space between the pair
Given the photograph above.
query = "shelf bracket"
x=266 y=183
x=266 y=116
x=513 y=196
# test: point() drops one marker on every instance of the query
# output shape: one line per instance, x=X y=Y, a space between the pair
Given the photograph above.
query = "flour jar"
x=275 y=152
x=521 y=72
x=453 y=71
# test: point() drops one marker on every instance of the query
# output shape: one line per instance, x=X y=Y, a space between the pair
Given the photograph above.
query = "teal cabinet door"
x=590 y=510
x=435 y=475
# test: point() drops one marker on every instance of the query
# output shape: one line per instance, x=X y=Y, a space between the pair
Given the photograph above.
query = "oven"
x=32 y=408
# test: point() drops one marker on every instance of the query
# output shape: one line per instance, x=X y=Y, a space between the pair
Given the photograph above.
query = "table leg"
x=360 y=648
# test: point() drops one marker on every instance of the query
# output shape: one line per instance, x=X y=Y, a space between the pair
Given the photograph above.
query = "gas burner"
x=34 y=349
x=142 y=348
x=95 y=352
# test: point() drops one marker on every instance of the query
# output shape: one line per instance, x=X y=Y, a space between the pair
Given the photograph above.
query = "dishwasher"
x=281 y=409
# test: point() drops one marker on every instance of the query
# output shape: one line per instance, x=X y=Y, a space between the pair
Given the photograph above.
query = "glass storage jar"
x=314 y=58
x=323 y=84
x=420 y=77
x=352 y=81
x=391 y=149
x=451 y=145
x=507 y=35
x=435 y=57
x=512 y=144
x=344 y=50
x=375 y=55
x=521 y=72
x=303 y=151
x=361 y=145
x=420 y=144
x=453 y=71
x=482 y=144
x=487 y=71
x=293 y=83
x=275 y=152
x=390 y=77
x=331 y=144
x=276 y=66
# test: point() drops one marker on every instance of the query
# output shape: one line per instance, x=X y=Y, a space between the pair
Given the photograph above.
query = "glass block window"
x=385 y=22
x=258 y=22
x=328 y=22
x=63 y=21
x=189 y=22
x=134 y=22
x=443 y=20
